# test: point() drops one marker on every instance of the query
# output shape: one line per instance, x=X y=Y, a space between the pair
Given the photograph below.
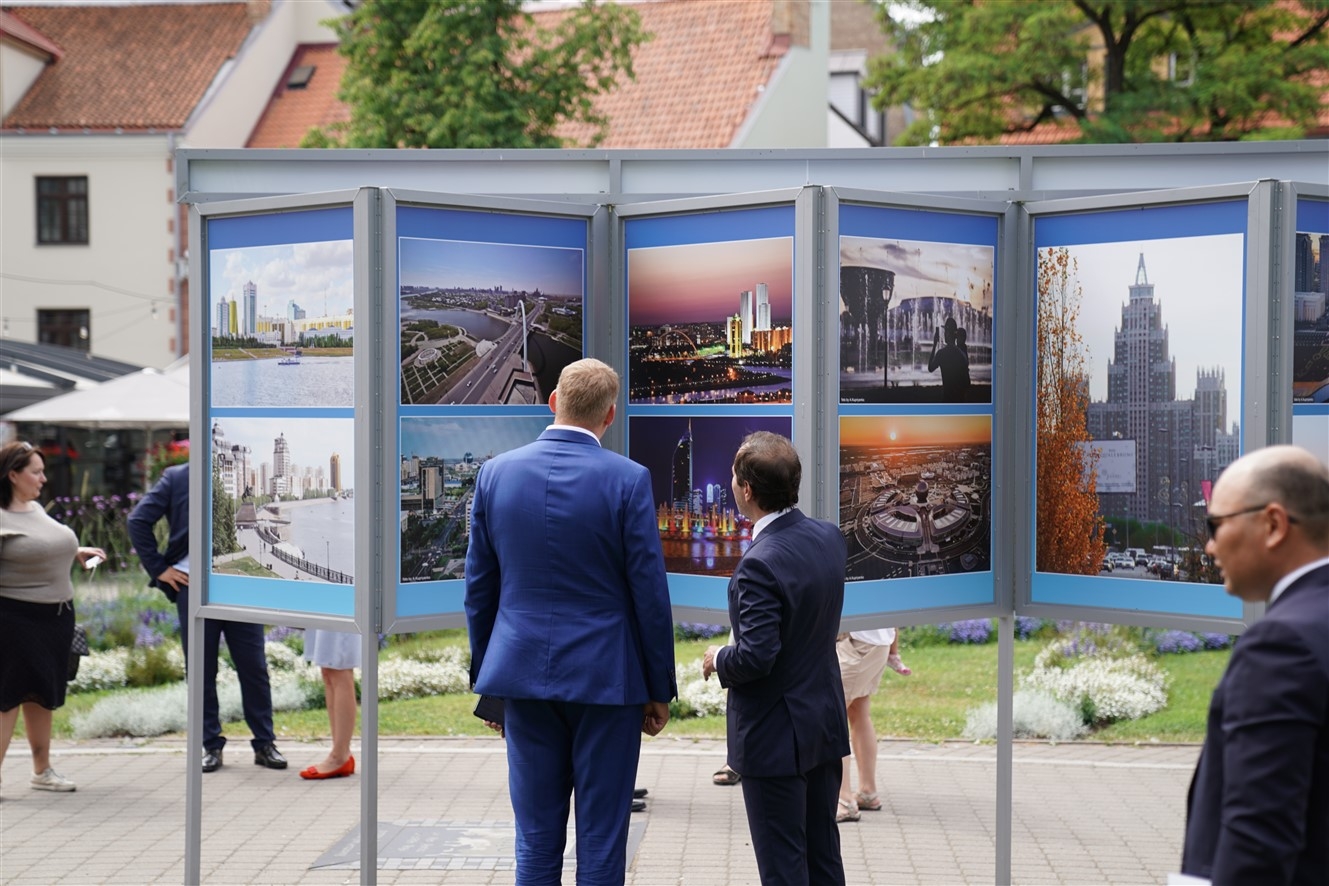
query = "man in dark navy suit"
x=1258 y=809
x=169 y=570
x=787 y=726
x=570 y=623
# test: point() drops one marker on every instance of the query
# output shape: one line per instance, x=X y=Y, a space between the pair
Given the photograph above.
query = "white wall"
x=791 y=111
x=18 y=71
x=130 y=208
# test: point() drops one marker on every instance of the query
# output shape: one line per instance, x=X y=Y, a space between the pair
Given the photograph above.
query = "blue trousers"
x=560 y=749
x=792 y=822
x=245 y=641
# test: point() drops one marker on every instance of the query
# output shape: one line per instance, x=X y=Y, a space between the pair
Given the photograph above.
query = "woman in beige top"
x=36 y=609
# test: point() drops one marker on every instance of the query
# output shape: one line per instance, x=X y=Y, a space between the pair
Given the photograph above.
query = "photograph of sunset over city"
x=711 y=322
x=691 y=462
x=915 y=494
x=487 y=323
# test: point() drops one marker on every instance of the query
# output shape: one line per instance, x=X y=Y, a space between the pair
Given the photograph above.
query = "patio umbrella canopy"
x=147 y=399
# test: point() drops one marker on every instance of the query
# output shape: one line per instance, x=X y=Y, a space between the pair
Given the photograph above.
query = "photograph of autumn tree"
x=915 y=494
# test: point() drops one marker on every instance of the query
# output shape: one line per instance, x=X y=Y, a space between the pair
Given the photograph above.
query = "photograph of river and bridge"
x=711 y=323
x=916 y=494
x=487 y=323
x=283 y=505
x=282 y=325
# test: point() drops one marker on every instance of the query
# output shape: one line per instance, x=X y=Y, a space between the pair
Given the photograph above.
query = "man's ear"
x=553 y=401
x=609 y=416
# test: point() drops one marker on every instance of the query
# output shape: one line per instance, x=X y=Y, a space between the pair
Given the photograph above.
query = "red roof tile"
x=696 y=80
x=18 y=30
x=133 y=67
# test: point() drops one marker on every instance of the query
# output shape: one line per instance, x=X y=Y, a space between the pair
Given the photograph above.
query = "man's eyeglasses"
x=1213 y=521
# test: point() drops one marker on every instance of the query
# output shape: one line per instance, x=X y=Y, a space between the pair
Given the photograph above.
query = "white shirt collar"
x=1287 y=580
x=767 y=520
x=558 y=427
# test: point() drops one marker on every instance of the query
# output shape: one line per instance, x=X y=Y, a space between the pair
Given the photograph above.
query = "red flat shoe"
x=345 y=769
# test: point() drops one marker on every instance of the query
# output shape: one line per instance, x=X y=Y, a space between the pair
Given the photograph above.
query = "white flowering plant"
x=698 y=697
x=1102 y=688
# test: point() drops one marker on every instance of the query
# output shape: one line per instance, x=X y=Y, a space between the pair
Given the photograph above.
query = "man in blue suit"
x=169 y=571
x=569 y=618
x=787 y=726
x=1258 y=808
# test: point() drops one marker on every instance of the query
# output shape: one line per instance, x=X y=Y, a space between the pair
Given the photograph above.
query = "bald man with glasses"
x=1258 y=808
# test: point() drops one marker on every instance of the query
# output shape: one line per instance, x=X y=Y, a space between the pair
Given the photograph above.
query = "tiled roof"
x=696 y=80
x=132 y=67
x=18 y=30
x=293 y=112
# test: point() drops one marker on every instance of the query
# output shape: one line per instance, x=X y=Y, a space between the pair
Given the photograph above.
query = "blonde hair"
x=586 y=389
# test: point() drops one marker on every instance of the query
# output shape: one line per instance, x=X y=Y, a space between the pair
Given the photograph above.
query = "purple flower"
x=1026 y=627
x=975 y=630
x=147 y=638
x=1169 y=642
x=1216 y=641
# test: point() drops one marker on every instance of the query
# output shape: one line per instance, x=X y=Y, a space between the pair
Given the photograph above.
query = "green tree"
x=475 y=73
x=1122 y=70
x=224 y=540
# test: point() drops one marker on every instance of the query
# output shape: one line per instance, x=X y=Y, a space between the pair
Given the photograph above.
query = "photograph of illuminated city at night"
x=915 y=494
x=439 y=460
x=1310 y=347
x=711 y=322
x=691 y=462
x=487 y=323
x=915 y=321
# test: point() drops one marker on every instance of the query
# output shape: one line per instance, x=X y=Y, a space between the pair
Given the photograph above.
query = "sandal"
x=868 y=802
x=895 y=664
x=725 y=775
x=848 y=811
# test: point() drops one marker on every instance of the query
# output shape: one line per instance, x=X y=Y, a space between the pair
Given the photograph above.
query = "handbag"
x=77 y=649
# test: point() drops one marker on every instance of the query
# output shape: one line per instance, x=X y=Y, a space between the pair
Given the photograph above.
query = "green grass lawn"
x=930 y=705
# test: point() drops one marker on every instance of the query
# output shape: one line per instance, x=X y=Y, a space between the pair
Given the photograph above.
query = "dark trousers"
x=245 y=641
x=792 y=822
x=556 y=749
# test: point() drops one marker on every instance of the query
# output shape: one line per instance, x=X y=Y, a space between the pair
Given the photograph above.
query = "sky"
x=704 y=282
x=554 y=270
x=653 y=438
x=1197 y=284
x=311 y=440
x=319 y=277
x=924 y=268
x=453 y=438
x=914 y=430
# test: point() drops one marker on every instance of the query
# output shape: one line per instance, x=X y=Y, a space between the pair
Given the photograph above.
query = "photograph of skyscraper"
x=691 y=462
x=283 y=325
x=711 y=322
x=487 y=323
x=440 y=458
x=916 y=495
x=1310 y=318
x=283 y=498
x=915 y=321
x=1161 y=326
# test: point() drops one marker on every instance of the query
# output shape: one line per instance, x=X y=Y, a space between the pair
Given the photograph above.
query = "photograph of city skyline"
x=282 y=324
x=283 y=503
x=915 y=321
x=711 y=322
x=915 y=495
x=691 y=462
x=440 y=458
x=1310 y=347
x=487 y=323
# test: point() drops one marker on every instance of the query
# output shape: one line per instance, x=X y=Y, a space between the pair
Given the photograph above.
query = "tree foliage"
x=1070 y=529
x=475 y=73
x=1123 y=70
x=224 y=540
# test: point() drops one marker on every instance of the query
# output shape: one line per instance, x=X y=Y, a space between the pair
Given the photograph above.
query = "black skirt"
x=34 y=652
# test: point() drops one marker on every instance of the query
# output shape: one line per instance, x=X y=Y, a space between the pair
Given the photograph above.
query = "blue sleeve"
x=649 y=587
x=757 y=628
x=482 y=580
x=151 y=508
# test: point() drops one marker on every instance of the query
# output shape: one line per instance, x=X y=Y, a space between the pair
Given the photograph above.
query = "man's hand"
x=497 y=727
x=174 y=579
x=708 y=662
x=655 y=717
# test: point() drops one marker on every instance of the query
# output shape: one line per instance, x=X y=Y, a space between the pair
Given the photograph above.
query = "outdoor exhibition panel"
x=1306 y=276
x=1150 y=339
x=487 y=301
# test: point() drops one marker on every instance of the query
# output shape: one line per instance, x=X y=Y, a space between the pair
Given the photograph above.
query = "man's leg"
x=540 y=784
x=825 y=864
x=251 y=665
x=213 y=740
x=606 y=744
x=777 y=819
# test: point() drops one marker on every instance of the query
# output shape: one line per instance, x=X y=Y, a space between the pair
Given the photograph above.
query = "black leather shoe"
x=638 y=805
x=212 y=760
x=638 y=793
x=268 y=755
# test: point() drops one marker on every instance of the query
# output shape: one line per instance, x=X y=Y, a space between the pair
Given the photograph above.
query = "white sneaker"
x=50 y=780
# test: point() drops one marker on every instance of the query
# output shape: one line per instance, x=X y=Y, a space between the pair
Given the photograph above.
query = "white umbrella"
x=148 y=399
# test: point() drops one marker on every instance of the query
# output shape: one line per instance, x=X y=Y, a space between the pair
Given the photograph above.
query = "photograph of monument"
x=487 y=323
x=711 y=323
x=1310 y=318
x=440 y=457
x=282 y=325
x=915 y=321
x=915 y=494
x=283 y=498
x=691 y=460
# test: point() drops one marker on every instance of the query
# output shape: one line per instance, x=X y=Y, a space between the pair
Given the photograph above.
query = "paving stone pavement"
x=1084 y=813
